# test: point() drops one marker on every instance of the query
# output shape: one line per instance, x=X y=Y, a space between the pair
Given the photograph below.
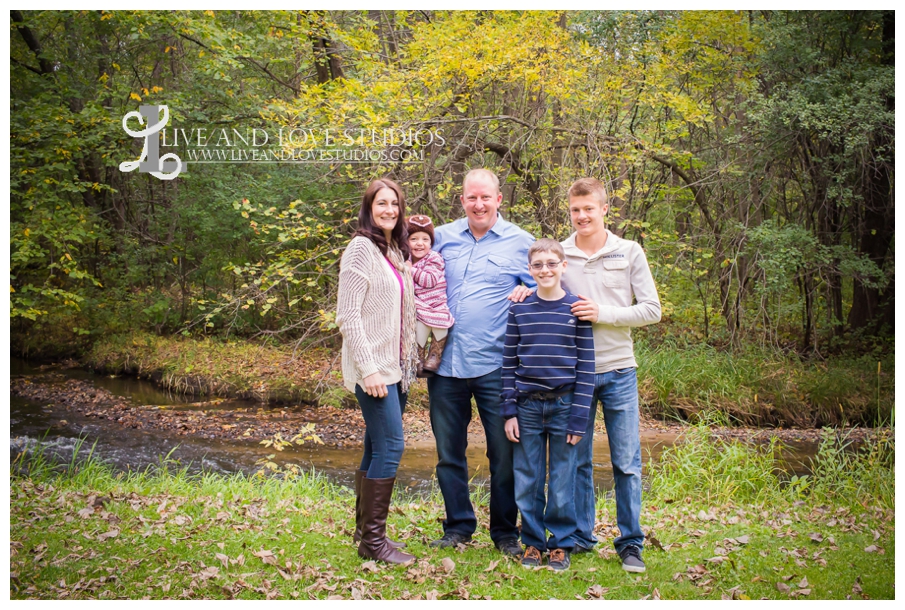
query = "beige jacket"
x=610 y=278
x=368 y=314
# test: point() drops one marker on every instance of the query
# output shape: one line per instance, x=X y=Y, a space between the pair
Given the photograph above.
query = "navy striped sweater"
x=547 y=349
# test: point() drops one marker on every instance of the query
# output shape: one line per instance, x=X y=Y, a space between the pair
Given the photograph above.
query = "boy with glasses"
x=548 y=385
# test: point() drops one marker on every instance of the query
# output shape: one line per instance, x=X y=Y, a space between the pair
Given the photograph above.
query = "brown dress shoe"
x=435 y=354
x=359 y=475
x=375 y=505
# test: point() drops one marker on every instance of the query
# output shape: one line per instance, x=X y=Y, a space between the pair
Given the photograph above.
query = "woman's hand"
x=374 y=385
x=572 y=439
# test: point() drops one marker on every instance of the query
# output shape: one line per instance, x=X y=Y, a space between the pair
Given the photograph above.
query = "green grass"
x=730 y=524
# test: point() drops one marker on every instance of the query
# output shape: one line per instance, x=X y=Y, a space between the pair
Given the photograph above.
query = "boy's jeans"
x=617 y=392
x=542 y=423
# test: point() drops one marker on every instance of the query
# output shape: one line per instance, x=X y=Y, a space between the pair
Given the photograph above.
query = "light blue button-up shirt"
x=479 y=276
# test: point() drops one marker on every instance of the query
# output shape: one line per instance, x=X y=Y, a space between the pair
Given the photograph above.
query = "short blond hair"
x=485 y=173
x=589 y=187
x=545 y=244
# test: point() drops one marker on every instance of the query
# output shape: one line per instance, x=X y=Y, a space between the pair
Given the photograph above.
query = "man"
x=611 y=271
x=485 y=262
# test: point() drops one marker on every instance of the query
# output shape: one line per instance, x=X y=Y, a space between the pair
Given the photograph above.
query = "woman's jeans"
x=542 y=426
x=617 y=392
x=383 y=431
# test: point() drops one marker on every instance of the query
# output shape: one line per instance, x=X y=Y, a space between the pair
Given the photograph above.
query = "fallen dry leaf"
x=871 y=549
x=783 y=588
x=804 y=583
x=743 y=539
x=266 y=556
x=492 y=566
x=597 y=591
x=369 y=566
x=448 y=565
x=111 y=534
x=222 y=559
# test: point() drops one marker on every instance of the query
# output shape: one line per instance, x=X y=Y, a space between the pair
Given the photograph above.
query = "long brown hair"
x=366 y=226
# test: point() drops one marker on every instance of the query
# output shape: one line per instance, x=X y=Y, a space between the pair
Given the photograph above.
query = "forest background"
x=750 y=153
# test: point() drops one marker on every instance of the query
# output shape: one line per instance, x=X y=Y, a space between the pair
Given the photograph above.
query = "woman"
x=375 y=313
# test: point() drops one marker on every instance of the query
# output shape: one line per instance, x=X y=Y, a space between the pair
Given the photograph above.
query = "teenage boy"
x=548 y=385
x=612 y=272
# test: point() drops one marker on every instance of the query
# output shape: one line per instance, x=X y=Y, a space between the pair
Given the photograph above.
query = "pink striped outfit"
x=429 y=275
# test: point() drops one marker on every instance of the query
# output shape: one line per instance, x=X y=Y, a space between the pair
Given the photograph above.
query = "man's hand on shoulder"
x=585 y=309
x=520 y=293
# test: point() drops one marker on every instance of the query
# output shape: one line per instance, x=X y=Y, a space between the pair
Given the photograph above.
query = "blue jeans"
x=450 y=411
x=542 y=426
x=383 y=431
x=617 y=392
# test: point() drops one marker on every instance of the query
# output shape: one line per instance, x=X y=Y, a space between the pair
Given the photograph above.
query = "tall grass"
x=718 y=471
x=864 y=474
x=715 y=471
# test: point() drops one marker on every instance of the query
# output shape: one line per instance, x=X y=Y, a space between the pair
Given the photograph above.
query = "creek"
x=62 y=432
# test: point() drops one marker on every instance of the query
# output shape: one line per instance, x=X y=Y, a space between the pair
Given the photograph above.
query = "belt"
x=547 y=395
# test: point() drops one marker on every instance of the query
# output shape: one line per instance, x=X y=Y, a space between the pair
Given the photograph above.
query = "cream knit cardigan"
x=368 y=309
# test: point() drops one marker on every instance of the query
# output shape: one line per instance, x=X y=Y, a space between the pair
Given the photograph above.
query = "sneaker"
x=510 y=546
x=579 y=549
x=450 y=539
x=631 y=559
x=559 y=561
x=532 y=558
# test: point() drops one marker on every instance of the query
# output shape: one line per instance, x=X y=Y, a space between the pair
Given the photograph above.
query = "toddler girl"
x=431 y=312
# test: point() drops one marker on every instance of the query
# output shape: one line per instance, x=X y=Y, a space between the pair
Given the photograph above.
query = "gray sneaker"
x=631 y=559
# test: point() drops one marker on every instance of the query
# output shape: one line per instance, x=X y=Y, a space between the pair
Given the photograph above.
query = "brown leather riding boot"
x=435 y=354
x=375 y=505
x=422 y=356
x=359 y=475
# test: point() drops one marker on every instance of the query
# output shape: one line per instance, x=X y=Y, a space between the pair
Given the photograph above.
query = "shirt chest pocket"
x=615 y=273
x=496 y=269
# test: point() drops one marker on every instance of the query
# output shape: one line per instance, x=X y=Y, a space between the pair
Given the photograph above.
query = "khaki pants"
x=423 y=331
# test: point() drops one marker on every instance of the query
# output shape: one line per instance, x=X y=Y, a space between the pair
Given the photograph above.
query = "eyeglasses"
x=549 y=265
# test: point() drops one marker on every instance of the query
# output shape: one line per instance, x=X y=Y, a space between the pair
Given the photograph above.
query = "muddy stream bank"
x=133 y=423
